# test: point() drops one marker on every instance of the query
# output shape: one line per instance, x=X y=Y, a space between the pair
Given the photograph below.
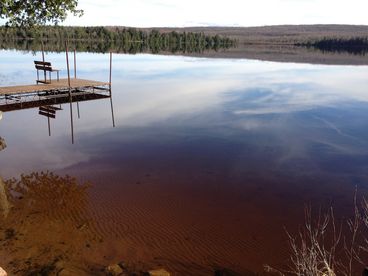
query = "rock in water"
x=4 y=203
x=67 y=269
x=158 y=272
x=114 y=270
x=3 y=272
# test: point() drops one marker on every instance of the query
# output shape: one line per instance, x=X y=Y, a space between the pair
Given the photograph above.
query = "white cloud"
x=148 y=13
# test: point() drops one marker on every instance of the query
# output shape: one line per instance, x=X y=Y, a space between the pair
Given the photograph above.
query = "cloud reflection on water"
x=294 y=105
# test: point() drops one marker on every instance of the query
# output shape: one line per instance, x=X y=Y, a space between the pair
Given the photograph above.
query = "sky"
x=184 y=13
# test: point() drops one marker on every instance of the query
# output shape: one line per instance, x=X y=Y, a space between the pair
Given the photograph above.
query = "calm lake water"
x=209 y=161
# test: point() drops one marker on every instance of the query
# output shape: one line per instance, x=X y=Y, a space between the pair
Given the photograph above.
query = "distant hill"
x=281 y=34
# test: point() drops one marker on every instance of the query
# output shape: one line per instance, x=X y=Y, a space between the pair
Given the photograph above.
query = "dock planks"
x=62 y=84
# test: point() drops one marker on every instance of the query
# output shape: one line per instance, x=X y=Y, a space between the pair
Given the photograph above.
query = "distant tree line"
x=102 y=39
x=356 y=45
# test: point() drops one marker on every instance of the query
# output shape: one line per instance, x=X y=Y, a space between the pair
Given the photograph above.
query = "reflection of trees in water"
x=2 y=143
x=354 y=46
x=103 y=39
x=4 y=203
x=52 y=195
x=48 y=221
x=104 y=46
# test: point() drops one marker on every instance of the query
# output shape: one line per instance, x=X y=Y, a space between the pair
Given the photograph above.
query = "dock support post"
x=110 y=72
x=112 y=108
x=75 y=64
x=48 y=123
x=67 y=66
x=43 y=52
x=112 y=112
x=43 y=60
x=78 y=110
x=70 y=92
x=71 y=120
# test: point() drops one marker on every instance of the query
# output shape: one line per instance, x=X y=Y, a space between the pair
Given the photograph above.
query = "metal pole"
x=78 y=110
x=48 y=121
x=71 y=120
x=67 y=65
x=112 y=108
x=43 y=59
x=70 y=93
x=110 y=72
x=43 y=52
x=112 y=112
x=75 y=64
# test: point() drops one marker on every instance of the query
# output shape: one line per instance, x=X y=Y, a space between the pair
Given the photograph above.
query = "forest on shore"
x=196 y=40
x=103 y=39
x=354 y=45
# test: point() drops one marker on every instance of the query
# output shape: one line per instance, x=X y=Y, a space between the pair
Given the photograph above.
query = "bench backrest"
x=43 y=65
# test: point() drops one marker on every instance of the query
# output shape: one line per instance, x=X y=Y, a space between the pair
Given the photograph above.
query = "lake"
x=210 y=160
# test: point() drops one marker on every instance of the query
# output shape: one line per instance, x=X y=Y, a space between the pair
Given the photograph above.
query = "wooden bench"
x=45 y=67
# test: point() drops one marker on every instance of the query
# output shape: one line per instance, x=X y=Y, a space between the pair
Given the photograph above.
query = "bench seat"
x=45 y=67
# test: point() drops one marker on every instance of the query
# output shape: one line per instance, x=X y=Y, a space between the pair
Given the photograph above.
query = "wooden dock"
x=51 y=93
x=49 y=98
x=54 y=86
x=46 y=101
x=56 y=92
